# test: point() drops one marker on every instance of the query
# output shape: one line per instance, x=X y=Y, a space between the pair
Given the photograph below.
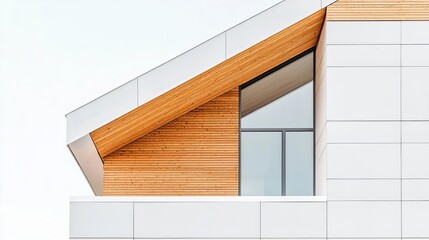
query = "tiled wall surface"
x=211 y=219
x=320 y=115
x=372 y=126
x=372 y=150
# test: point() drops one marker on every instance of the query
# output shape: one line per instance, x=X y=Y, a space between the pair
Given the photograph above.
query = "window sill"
x=199 y=199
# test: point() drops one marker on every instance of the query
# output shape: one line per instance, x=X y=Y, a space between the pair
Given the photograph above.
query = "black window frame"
x=282 y=130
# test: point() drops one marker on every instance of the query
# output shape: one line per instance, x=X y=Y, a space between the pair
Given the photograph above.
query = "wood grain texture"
x=344 y=10
x=210 y=84
x=196 y=154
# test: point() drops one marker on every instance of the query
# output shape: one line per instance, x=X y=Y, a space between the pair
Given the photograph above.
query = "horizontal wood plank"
x=188 y=156
x=207 y=86
x=383 y=10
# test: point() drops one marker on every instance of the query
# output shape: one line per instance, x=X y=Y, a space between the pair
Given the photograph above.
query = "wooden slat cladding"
x=344 y=10
x=214 y=82
x=196 y=154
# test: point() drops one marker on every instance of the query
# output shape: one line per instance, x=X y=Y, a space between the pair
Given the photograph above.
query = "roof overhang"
x=175 y=88
x=210 y=84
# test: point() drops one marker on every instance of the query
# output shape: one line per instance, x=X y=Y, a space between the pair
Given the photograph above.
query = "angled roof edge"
x=236 y=43
x=210 y=84
x=187 y=65
x=86 y=155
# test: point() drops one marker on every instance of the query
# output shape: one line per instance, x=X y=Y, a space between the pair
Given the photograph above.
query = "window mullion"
x=283 y=163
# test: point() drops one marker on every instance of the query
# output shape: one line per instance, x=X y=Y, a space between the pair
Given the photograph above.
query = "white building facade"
x=371 y=147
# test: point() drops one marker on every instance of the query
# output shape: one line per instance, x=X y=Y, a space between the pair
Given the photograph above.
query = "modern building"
x=309 y=120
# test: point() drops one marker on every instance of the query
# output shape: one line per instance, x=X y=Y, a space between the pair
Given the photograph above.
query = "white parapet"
x=197 y=217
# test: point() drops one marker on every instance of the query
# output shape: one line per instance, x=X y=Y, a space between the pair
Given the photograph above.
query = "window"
x=276 y=142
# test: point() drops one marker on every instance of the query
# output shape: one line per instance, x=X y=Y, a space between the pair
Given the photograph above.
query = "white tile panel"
x=415 y=160
x=293 y=238
x=321 y=45
x=364 y=238
x=181 y=69
x=224 y=239
x=364 y=32
x=267 y=23
x=86 y=155
x=320 y=53
x=415 y=132
x=320 y=73
x=321 y=108
x=364 y=132
x=321 y=144
x=415 y=55
x=415 y=238
x=198 y=238
x=415 y=93
x=363 y=93
x=415 y=32
x=415 y=219
x=364 y=189
x=321 y=182
x=197 y=220
x=101 y=220
x=364 y=161
x=320 y=57
x=102 y=110
x=363 y=55
x=415 y=189
x=100 y=238
x=289 y=220
x=368 y=219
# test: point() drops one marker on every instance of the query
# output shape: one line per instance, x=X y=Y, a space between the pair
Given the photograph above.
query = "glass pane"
x=293 y=110
x=261 y=154
x=299 y=163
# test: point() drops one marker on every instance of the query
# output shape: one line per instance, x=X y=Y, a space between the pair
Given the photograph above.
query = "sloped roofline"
x=101 y=127
x=91 y=135
x=210 y=84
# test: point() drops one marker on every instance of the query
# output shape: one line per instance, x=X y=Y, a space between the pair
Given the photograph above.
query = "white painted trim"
x=86 y=155
x=200 y=199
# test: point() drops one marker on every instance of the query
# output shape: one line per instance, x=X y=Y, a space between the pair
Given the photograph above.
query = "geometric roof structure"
x=228 y=60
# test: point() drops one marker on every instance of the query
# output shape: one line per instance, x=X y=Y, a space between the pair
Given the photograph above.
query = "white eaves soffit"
x=171 y=74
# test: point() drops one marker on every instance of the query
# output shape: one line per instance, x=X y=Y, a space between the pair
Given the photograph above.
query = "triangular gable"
x=212 y=83
x=193 y=155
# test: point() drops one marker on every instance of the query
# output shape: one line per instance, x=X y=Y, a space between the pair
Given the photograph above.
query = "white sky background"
x=58 y=55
